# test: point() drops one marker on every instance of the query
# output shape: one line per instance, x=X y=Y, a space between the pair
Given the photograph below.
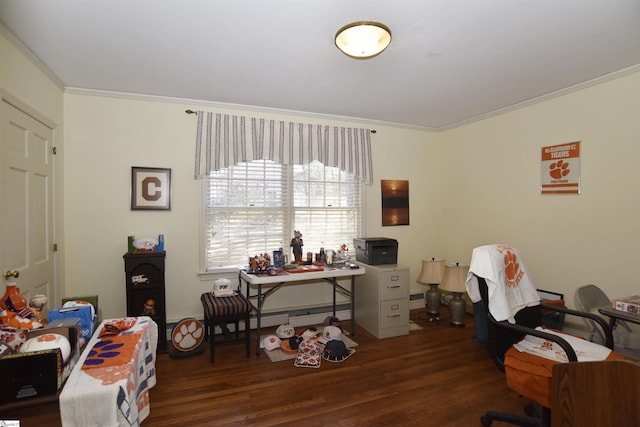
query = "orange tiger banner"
x=560 y=169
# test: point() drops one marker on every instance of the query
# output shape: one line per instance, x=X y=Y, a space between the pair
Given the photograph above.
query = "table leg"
x=353 y=306
x=258 y=319
x=334 y=283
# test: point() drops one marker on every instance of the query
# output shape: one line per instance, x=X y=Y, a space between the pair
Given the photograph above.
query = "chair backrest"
x=588 y=299
x=510 y=285
x=603 y=394
x=499 y=339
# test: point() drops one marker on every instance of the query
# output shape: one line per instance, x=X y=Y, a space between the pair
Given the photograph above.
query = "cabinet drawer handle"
x=393 y=315
x=393 y=286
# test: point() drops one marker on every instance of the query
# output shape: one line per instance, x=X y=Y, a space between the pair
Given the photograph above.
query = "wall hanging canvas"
x=150 y=188
x=560 y=169
x=395 y=202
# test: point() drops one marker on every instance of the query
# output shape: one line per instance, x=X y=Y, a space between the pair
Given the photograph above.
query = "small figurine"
x=296 y=244
x=259 y=263
x=36 y=304
x=149 y=308
x=342 y=254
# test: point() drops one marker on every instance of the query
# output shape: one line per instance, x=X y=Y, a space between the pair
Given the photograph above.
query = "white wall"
x=469 y=186
x=107 y=135
x=493 y=188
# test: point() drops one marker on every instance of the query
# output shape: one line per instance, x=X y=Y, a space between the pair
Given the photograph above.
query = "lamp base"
x=432 y=297
x=457 y=306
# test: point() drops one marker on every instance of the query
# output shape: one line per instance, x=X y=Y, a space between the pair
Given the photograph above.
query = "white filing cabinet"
x=382 y=300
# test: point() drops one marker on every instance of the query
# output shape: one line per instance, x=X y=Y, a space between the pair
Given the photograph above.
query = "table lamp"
x=455 y=277
x=431 y=274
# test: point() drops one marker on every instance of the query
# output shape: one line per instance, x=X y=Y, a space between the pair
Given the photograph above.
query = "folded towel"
x=585 y=350
x=114 y=327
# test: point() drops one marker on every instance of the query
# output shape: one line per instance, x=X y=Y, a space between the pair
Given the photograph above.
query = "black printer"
x=376 y=250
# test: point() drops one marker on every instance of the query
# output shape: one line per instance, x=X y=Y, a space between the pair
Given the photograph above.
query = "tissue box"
x=80 y=312
x=91 y=299
x=40 y=373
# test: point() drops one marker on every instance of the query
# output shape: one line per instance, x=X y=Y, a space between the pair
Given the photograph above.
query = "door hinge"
x=55 y=247
x=54 y=150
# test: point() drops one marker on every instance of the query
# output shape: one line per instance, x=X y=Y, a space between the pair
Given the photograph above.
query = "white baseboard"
x=277 y=319
x=317 y=318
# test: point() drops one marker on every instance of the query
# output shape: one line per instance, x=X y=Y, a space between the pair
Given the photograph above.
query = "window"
x=254 y=207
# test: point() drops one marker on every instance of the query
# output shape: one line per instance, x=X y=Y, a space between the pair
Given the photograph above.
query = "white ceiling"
x=449 y=62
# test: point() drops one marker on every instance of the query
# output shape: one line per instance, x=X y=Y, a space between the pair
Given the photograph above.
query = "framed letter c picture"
x=150 y=188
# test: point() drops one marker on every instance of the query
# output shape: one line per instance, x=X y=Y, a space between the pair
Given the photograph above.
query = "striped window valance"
x=224 y=140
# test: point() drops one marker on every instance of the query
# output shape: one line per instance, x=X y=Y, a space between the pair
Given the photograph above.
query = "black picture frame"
x=150 y=188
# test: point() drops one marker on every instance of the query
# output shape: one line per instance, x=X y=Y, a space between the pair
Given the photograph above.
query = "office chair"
x=510 y=309
x=625 y=340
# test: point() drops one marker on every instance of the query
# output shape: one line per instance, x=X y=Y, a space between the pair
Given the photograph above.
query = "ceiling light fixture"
x=363 y=40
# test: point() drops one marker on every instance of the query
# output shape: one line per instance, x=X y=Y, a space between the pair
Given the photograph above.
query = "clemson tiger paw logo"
x=188 y=335
x=102 y=351
x=547 y=346
x=559 y=169
x=511 y=268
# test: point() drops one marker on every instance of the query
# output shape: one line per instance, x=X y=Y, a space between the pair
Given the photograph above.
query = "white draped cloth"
x=509 y=284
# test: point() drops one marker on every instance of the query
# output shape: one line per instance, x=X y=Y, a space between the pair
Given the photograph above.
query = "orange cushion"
x=530 y=375
x=552 y=302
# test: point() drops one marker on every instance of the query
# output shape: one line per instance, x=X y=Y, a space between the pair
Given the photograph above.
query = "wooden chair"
x=603 y=394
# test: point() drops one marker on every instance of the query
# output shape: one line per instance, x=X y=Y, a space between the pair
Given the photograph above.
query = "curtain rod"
x=195 y=112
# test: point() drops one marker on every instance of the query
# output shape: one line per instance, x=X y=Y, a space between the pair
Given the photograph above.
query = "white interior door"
x=26 y=203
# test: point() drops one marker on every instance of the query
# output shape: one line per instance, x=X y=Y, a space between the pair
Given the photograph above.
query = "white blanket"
x=112 y=395
x=509 y=283
x=585 y=350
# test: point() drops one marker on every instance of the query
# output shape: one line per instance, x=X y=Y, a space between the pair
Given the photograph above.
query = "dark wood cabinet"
x=145 y=289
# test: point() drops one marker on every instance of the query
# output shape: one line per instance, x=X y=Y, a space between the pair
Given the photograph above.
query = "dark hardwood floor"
x=433 y=377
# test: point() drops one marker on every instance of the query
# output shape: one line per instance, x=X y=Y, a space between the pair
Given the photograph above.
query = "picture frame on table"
x=150 y=188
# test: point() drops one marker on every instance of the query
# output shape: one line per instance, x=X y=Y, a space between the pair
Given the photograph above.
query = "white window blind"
x=253 y=207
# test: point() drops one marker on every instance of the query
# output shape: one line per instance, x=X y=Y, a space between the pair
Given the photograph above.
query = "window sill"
x=218 y=273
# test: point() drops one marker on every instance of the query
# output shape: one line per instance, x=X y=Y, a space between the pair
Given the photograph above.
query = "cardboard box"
x=40 y=373
x=628 y=304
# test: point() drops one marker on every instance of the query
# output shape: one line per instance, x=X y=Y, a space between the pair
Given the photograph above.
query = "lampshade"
x=455 y=277
x=363 y=40
x=432 y=271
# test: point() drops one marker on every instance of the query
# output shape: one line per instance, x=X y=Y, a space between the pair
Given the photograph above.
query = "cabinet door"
x=394 y=313
x=394 y=284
